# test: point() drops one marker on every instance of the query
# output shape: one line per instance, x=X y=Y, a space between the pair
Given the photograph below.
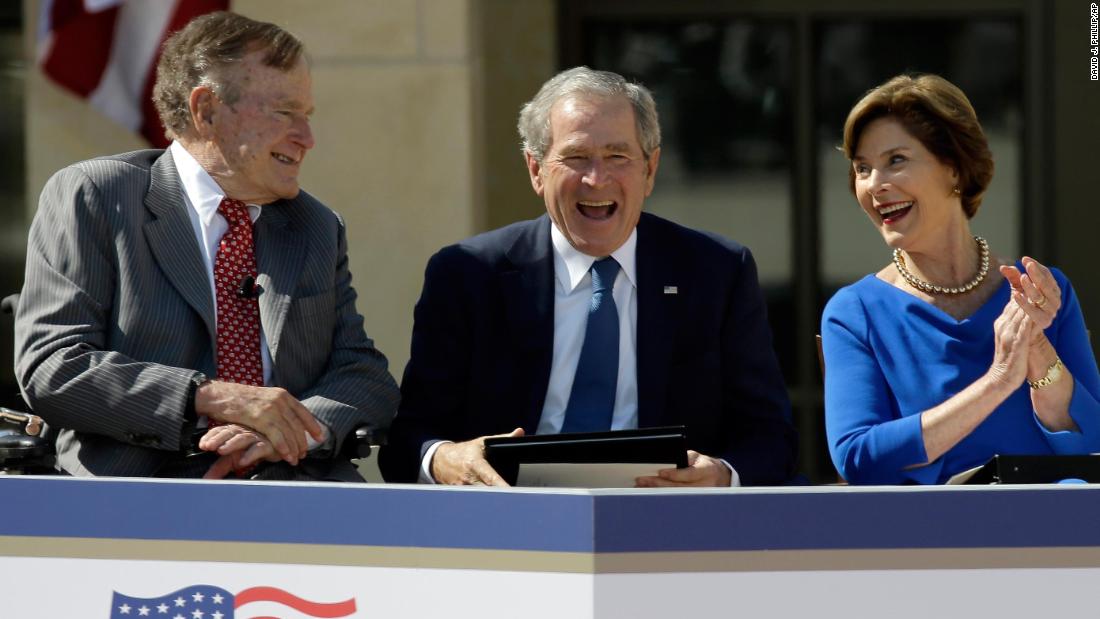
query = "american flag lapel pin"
x=671 y=290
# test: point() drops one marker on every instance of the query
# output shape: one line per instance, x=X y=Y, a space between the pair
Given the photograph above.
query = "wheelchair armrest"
x=358 y=444
x=31 y=425
x=24 y=446
x=17 y=448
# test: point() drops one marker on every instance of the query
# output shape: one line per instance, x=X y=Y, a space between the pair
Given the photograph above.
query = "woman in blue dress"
x=948 y=355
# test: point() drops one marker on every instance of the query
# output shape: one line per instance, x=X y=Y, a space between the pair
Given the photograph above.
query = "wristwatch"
x=1053 y=375
x=198 y=379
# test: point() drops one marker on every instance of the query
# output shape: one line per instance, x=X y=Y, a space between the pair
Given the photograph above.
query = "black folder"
x=1008 y=469
x=647 y=445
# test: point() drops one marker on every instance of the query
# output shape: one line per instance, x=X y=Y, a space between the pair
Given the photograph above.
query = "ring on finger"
x=1038 y=303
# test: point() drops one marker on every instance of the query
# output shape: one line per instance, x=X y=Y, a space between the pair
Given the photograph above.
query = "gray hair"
x=534 y=116
x=199 y=54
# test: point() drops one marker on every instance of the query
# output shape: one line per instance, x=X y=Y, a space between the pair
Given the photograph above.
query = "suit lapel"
x=171 y=239
x=279 y=257
x=527 y=285
x=659 y=287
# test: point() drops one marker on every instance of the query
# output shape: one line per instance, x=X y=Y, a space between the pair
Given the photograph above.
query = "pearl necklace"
x=923 y=286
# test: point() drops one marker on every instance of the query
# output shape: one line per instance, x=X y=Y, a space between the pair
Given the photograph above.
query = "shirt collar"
x=571 y=265
x=202 y=190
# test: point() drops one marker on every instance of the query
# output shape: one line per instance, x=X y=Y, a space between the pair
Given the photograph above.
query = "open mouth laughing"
x=598 y=210
x=284 y=159
x=894 y=211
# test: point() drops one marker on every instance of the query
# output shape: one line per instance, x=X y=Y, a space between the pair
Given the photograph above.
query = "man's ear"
x=534 y=168
x=651 y=170
x=202 y=104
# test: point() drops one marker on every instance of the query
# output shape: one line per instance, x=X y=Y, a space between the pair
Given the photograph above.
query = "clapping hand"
x=1036 y=292
x=1013 y=332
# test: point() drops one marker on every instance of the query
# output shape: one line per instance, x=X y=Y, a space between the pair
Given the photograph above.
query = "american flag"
x=106 y=51
x=209 y=602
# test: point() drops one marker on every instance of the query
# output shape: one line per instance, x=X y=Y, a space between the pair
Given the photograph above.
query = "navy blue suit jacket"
x=483 y=342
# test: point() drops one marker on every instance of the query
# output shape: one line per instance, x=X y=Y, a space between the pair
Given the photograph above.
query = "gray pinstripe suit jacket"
x=116 y=315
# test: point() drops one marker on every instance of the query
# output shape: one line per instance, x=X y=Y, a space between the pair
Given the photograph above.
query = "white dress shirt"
x=572 y=297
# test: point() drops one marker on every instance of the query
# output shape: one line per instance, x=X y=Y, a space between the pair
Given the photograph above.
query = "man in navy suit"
x=594 y=316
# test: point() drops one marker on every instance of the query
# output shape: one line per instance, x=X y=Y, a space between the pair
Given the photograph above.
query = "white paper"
x=588 y=475
x=963 y=477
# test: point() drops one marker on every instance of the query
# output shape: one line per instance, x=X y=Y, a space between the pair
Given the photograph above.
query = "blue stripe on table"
x=347 y=515
x=843 y=519
x=578 y=521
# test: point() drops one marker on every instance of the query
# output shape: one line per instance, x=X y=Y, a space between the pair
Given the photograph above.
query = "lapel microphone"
x=248 y=288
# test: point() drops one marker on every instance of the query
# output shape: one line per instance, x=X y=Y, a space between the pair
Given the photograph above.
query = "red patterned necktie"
x=238 y=339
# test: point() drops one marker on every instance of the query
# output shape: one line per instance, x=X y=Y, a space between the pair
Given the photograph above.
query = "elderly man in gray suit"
x=189 y=312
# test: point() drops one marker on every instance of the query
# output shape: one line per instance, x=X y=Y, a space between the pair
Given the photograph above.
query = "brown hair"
x=936 y=112
x=199 y=54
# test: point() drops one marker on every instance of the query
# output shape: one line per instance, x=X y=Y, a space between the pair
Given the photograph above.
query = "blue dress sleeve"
x=869 y=441
x=1071 y=339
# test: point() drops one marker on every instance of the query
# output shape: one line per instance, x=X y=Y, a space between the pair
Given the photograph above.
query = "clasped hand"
x=260 y=423
x=239 y=450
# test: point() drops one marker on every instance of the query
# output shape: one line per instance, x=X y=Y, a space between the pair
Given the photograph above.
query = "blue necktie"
x=592 y=401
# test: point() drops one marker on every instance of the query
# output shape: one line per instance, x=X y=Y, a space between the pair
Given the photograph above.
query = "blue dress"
x=890 y=356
